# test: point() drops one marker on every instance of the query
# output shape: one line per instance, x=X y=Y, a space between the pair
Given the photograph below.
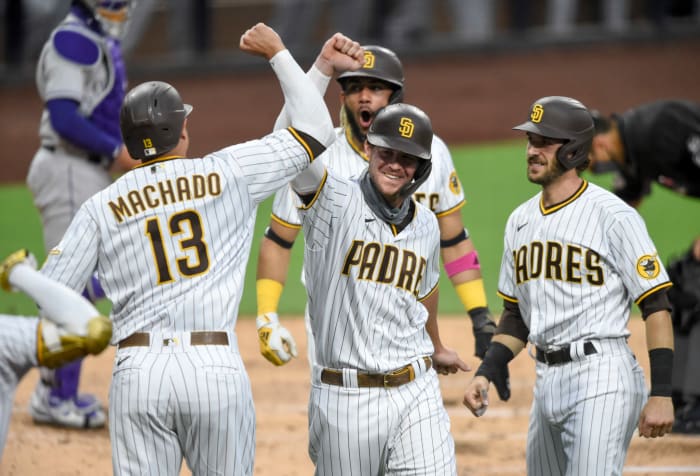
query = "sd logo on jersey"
x=648 y=266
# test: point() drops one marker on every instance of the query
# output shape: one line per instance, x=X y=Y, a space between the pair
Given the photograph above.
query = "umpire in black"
x=660 y=142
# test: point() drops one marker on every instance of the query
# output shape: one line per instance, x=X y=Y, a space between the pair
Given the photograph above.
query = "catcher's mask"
x=151 y=119
x=559 y=117
x=112 y=15
x=383 y=64
x=407 y=129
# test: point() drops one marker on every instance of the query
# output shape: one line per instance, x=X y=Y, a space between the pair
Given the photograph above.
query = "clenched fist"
x=276 y=343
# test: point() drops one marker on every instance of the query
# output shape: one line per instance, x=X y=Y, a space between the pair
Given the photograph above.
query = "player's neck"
x=561 y=189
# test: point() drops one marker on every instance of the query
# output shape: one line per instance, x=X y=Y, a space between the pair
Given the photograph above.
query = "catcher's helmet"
x=559 y=117
x=383 y=64
x=151 y=119
x=407 y=129
x=112 y=15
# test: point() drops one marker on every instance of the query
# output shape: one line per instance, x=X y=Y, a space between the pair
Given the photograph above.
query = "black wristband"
x=480 y=317
x=661 y=368
x=497 y=357
x=269 y=233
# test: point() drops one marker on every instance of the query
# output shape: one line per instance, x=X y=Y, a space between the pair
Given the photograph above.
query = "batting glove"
x=276 y=343
x=22 y=256
x=495 y=368
x=483 y=328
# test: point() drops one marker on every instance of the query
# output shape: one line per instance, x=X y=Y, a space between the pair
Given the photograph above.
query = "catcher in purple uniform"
x=81 y=79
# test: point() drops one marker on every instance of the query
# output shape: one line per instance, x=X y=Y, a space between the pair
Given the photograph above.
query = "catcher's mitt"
x=685 y=292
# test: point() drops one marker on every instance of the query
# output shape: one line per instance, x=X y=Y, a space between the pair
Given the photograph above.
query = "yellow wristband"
x=472 y=294
x=269 y=292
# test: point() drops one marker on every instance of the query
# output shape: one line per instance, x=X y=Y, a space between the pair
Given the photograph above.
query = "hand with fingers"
x=261 y=40
x=276 y=343
x=340 y=54
x=476 y=396
x=657 y=417
x=446 y=361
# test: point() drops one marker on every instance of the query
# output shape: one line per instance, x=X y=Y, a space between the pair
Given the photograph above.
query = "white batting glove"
x=276 y=343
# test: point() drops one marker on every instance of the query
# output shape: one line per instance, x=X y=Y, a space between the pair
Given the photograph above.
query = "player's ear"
x=368 y=148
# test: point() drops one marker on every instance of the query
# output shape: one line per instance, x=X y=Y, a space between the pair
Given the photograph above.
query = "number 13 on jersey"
x=191 y=253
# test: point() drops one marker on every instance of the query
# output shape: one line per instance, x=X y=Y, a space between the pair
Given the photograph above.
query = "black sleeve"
x=655 y=302
x=511 y=322
x=313 y=147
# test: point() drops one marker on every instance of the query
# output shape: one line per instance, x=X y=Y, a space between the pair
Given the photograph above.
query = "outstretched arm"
x=337 y=56
x=72 y=327
x=307 y=111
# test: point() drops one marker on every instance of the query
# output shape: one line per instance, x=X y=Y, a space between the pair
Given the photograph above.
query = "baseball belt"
x=143 y=339
x=563 y=355
x=394 y=378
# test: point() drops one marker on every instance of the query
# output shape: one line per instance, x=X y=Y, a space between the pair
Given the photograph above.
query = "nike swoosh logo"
x=520 y=227
x=122 y=360
x=367 y=220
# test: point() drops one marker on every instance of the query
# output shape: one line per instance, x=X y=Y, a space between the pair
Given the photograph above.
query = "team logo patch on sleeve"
x=648 y=266
x=455 y=186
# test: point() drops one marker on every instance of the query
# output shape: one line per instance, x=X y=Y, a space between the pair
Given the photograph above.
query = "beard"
x=553 y=171
x=348 y=120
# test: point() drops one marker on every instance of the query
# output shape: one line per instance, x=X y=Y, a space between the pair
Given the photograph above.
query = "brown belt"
x=143 y=339
x=392 y=379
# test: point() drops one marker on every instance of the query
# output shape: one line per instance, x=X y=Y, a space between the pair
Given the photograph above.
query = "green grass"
x=493 y=176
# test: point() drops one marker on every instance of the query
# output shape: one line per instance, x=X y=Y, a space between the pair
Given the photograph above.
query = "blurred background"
x=202 y=35
x=474 y=66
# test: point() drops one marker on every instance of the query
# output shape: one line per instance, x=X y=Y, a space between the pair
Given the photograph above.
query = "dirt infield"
x=491 y=445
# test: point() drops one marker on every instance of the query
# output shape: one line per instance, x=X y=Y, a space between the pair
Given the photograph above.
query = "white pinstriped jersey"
x=363 y=280
x=442 y=192
x=575 y=268
x=171 y=239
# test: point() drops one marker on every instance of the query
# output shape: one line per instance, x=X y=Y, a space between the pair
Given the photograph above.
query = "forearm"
x=319 y=80
x=659 y=331
x=513 y=343
x=58 y=303
x=79 y=131
x=305 y=107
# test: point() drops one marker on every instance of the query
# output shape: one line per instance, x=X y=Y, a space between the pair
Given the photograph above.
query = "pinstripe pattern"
x=362 y=324
x=170 y=241
x=384 y=326
x=403 y=430
x=584 y=413
x=198 y=403
x=558 y=311
x=590 y=248
x=17 y=357
x=345 y=161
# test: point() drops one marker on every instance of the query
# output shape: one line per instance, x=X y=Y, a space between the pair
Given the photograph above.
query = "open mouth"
x=366 y=118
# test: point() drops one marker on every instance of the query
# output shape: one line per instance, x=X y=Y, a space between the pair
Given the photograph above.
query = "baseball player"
x=170 y=240
x=371 y=272
x=69 y=327
x=575 y=257
x=81 y=79
x=660 y=142
x=379 y=82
